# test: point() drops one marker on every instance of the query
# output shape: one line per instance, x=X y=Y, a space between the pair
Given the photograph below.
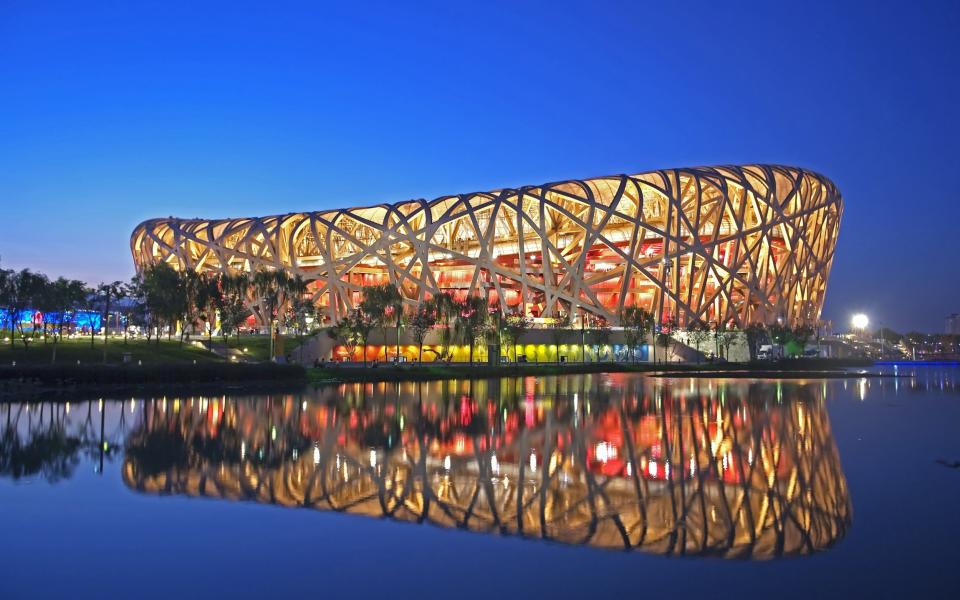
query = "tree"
x=394 y=312
x=384 y=304
x=272 y=290
x=446 y=308
x=6 y=293
x=698 y=332
x=512 y=329
x=636 y=323
x=664 y=340
x=665 y=336
x=46 y=304
x=888 y=335
x=196 y=300
x=345 y=333
x=106 y=294
x=802 y=334
x=421 y=323
x=139 y=314
x=756 y=332
x=231 y=302
x=559 y=329
x=21 y=291
x=600 y=330
x=301 y=312
x=723 y=338
x=206 y=289
x=780 y=334
x=63 y=296
x=470 y=321
x=360 y=325
x=164 y=296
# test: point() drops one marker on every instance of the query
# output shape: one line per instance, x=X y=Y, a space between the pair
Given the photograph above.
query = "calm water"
x=576 y=486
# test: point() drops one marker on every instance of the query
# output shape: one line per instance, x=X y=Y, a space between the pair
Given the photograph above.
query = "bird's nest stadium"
x=731 y=244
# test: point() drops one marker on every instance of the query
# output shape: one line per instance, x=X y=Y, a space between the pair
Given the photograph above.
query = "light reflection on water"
x=229 y=466
x=730 y=468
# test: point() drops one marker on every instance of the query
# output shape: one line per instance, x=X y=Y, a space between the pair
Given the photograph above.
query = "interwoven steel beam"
x=734 y=244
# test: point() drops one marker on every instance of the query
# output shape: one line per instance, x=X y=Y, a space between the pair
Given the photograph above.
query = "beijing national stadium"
x=733 y=244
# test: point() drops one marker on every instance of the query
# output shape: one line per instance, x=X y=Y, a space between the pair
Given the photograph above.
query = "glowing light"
x=860 y=321
x=605 y=452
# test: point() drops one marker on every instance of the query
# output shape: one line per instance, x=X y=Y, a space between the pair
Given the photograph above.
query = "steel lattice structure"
x=662 y=471
x=737 y=244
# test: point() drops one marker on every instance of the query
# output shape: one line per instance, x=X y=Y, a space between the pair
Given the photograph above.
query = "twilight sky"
x=111 y=113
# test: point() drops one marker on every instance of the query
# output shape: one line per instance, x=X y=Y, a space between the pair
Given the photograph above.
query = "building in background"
x=953 y=324
x=733 y=244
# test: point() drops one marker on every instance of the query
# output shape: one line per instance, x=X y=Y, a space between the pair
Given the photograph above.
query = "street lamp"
x=860 y=322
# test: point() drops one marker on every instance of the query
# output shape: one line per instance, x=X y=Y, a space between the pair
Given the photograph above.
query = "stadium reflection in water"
x=734 y=469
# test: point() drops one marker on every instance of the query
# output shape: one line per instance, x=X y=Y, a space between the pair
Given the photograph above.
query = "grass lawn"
x=72 y=350
x=258 y=346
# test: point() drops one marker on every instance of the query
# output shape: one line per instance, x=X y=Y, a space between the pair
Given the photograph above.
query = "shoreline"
x=25 y=381
x=789 y=369
x=46 y=381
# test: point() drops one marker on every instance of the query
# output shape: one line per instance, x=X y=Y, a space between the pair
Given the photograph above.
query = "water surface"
x=569 y=486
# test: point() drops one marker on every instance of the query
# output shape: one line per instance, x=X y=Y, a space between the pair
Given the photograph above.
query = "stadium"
x=730 y=244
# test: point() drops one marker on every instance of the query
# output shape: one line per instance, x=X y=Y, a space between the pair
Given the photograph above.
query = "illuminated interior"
x=734 y=244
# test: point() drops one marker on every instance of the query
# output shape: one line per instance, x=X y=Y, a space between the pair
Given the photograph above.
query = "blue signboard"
x=77 y=319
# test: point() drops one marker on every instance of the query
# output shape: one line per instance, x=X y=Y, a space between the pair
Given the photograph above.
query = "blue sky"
x=113 y=112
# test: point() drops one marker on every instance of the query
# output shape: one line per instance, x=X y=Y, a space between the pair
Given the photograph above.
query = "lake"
x=575 y=486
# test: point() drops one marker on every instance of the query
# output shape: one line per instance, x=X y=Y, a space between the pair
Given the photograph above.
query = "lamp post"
x=882 y=348
x=859 y=322
x=487 y=288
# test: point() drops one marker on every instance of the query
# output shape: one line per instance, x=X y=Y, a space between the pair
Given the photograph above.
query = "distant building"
x=953 y=324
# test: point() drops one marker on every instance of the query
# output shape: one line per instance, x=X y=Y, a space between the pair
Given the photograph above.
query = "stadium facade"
x=732 y=244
